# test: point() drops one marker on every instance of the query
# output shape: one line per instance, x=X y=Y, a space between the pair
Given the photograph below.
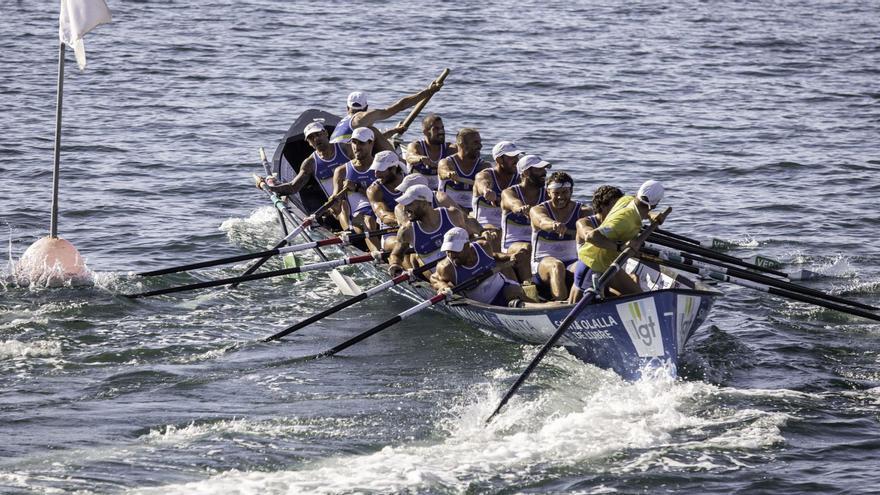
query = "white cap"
x=530 y=161
x=313 y=128
x=651 y=193
x=454 y=239
x=506 y=148
x=415 y=193
x=357 y=100
x=362 y=134
x=412 y=180
x=385 y=160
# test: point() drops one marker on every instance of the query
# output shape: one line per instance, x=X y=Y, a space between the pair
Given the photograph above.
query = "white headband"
x=559 y=185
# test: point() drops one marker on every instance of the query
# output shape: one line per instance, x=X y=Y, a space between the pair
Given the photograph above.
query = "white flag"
x=78 y=17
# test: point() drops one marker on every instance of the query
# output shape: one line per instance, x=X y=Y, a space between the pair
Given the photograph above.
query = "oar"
x=410 y=275
x=343 y=282
x=717 y=266
x=718 y=275
x=300 y=229
x=708 y=253
x=341 y=240
x=427 y=303
x=718 y=245
x=418 y=108
x=589 y=296
x=351 y=260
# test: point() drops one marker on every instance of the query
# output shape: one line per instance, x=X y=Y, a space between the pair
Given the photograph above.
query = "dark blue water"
x=760 y=118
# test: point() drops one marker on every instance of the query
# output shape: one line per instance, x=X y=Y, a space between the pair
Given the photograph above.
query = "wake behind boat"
x=625 y=334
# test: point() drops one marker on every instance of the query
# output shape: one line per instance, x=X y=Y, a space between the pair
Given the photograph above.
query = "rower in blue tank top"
x=427 y=243
x=466 y=260
x=357 y=200
x=516 y=203
x=489 y=183
x=456 y=177
x=554 y=243
x=382 y=194
x=324 y=168
x=424 y=155
x=517 y=227
x=353 y=179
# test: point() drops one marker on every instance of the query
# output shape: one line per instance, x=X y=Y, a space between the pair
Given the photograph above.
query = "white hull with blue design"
x=627 y=334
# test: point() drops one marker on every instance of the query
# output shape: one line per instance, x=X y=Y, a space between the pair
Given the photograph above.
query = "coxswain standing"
x=424 y=155
x=488 y=185
x=466 y=260
x=604 y=199
x=383 y=194
x=554 y=248
x=320 y=164
x=359 y=115
x=456 y=172
x=619 y=231
x=424 y=229
x=354 y=178
x=516 y=202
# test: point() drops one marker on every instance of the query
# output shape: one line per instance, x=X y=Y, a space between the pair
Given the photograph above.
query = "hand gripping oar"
x=403 y=277
x=419 y=106
x=708 y=253
x=589 y=296
x=465 y=285
x=720 y=276
x=341 y=240
x=351 y=260
x=717 y=266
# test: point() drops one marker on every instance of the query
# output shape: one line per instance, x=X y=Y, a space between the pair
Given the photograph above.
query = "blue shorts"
x=583 y=275
x=500 y=300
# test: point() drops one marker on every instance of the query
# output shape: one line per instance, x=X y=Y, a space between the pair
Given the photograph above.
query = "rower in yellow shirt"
x=617 y=232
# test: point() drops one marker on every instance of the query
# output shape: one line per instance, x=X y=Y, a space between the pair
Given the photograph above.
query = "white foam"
x=582 y=416
x=262 y=223
x=14 y=349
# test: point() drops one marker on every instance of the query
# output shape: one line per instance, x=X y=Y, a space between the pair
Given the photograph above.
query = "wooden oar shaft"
x=572 y=315
x=755 y=277
x=689 y=248
x=420 y=105
x=723 y=277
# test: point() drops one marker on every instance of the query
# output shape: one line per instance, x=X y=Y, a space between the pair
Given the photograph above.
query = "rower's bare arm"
x=395 y=259
x=510 y=202
x=541 y=220
x=443 y=277
x=459 y=219
x=374 y=196
x=338 y=180
x=445 y=170
x=483 y=183
x=370 y=117
x=413 y=153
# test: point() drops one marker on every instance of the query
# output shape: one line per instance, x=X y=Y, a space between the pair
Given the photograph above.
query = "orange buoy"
x=52 y=262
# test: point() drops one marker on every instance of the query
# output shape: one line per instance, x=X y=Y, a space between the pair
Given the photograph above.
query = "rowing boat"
x=628 y=335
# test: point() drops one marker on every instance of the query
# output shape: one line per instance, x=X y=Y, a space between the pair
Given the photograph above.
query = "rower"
x=516 y=201
x=320 y=164
x=618 y=231
x=382 y=194
x=424 y=229
x=604 y=199
x=554 y=249
x=465 y=260
x=456 y=172
x=423 y=155
x=489 y=183
x=354 y=178
x=359 y=115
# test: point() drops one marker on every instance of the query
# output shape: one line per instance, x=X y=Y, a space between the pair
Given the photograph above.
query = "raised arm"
x=370 y=117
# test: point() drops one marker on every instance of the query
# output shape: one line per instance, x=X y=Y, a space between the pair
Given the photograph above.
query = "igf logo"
x=645 y=330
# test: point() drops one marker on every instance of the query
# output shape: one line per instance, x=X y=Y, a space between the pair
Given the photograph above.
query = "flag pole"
x=53 y=225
